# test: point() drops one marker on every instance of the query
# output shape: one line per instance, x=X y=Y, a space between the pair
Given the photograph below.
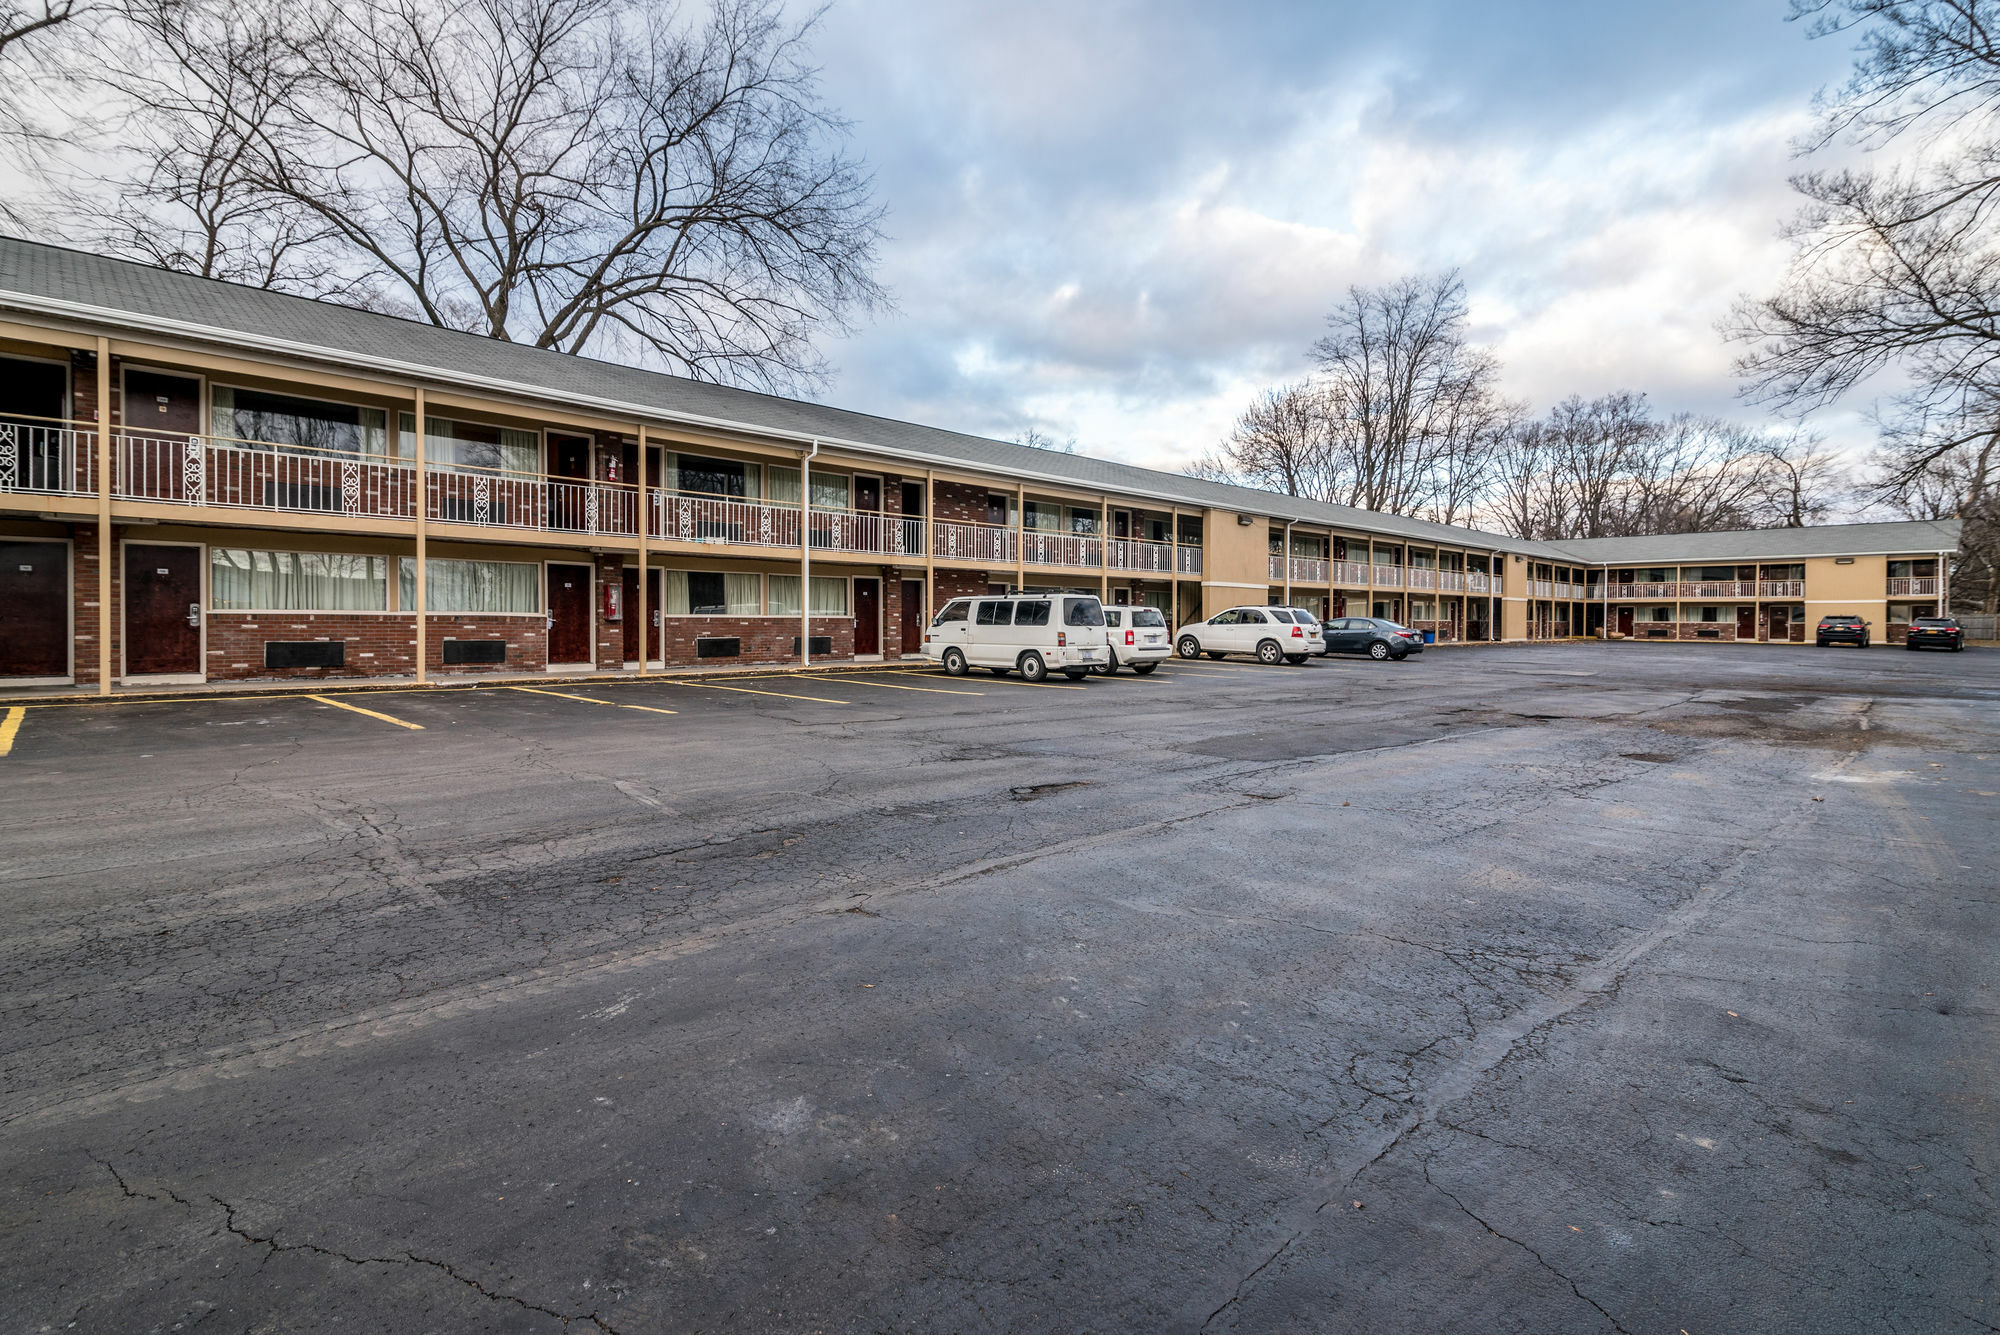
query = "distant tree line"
x=1402 y=414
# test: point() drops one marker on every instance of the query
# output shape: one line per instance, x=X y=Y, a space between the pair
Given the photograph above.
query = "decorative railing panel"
x=1349 y=572
x=1308 y=570
x=1153 y=558
x=690 y=517
x=973 y=542
x=1061 y=549
x=1388 y=577
x=1782 y=588
x=46 y=456
x=1920 y=586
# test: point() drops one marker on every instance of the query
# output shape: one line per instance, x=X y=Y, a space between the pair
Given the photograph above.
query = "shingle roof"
x=320 y=330
x=119 y=293
x=1772 y=544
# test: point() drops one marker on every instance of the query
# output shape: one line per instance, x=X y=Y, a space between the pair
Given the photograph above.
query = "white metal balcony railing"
x=1477 y=583
x=688 y=517
x=1190 y=560
x=1040 y=548
x=1545 y=588
x=1647 y=591
x=1783 y=588
x=210 y=471
x=46 y=456
x=1913 y=586
x=1274 y=567
x=1387 y=577
x=1308 y=570
x=1152 y=558
x=1719 y=588
x=1421 y=577
x=988 y=543
x=1451 y=581
x=1349 y=572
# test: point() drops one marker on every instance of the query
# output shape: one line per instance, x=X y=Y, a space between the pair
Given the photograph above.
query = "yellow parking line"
x=848 y=679
x=609 y=704
x=9 y=726
x=745 y=690
x=1009 y=681
x=329 y=700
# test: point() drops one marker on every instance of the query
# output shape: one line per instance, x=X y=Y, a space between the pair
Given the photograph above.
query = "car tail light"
x=1298 y=634
x=1062 y=639
x=1129 y=639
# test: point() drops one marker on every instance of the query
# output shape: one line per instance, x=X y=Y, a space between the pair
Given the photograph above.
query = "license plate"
x=1089 y=653
x=1152 y=639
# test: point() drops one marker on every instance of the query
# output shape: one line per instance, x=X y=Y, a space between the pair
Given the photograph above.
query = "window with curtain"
x=829 y=597
x=784 y=595
x=310 y=424
x=830 y=491
x=712 y=593
x=1083 y=521
x=470 y=444
x=715 y=477
x=472 y=586
x=784 y=484
x=241 y=580
x=1040 y=518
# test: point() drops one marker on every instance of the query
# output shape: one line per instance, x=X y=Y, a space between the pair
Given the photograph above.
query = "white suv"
x=1030 y=633
x=1273 y=634
x=1138 y=636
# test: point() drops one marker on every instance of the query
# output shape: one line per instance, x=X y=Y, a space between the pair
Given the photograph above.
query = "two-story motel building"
x=201 y=481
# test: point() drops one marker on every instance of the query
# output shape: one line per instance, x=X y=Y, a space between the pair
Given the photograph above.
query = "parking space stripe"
x=609 y=704
x=745 y=690
x=10 y=726
x=1007 y=681
x=850 y=679
x=338 y=704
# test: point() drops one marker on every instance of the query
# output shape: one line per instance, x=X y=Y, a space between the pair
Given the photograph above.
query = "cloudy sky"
x=1118 y=221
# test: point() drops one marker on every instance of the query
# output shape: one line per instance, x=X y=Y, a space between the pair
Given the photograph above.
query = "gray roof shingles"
x=344 y=334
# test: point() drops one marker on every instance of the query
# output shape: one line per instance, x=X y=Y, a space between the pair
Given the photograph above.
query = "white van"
x=1138 y=636
x=1030 y=633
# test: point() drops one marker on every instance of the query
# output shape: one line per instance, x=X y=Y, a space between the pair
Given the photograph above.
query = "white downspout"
x=806 y=555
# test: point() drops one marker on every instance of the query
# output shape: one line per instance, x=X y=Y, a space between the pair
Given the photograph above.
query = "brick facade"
x=764 y=639
x=959 y=503
x=379 y=644
x=608 y=637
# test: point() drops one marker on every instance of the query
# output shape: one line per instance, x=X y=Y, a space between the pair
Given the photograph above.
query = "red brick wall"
x=83 y=550
x=765 y=639
x=959 y=503
x=379 y=644
x=958 y=584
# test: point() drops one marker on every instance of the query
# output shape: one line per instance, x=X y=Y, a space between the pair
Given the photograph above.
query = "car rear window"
x=1031 y=614
x=1281 y=616
x=996 y=614
x=1840 y=621
x=1083 y=612
x=1304 y=617
x=1936 y=621
x=1148 y=616
x=952 y=611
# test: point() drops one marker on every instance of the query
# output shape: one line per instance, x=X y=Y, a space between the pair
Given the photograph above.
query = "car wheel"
x=1216 y=656
x=1032 y=667
x=1958 y=648
x=1820 y=643
x=954 y=663
x=1108 y=667
x=1379 y=650
x=1189 y=647
x=1398 y=657
x=1295 y=659
x=1268 y=652
x=1864 y=642
x=1076 y=674
x=1143 y=668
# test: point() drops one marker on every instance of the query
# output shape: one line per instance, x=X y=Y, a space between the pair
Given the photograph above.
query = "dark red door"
x=34 y=609
x=569 y=614
x=1746 y=622
x=913 y=616
x=162 y=609
x=1624 y=621
x=632 y=619
x=160 y=412
x=1776 y=618
x=867 y=616
x=868 y=494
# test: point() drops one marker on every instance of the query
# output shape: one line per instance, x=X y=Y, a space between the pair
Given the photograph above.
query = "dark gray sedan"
x=1375 y=636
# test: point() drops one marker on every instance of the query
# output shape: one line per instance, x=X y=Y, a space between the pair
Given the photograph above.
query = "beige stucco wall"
x=1861 y=588
x=1235 y=565
x=1514 y=619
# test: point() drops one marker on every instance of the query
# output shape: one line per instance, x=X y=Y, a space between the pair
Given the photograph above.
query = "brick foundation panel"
x=378 y=644
x=764 y=639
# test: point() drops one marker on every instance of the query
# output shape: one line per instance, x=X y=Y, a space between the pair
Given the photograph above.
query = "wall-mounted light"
x=1843 y=560
x=1245 y=520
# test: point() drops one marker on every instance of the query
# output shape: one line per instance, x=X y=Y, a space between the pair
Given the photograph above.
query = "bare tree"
x=1800 y=482
x=1037 y=439
x=1280 y=443
x=22 y=19
x=586 y=175
x=1407 y=393
x=1894 y=270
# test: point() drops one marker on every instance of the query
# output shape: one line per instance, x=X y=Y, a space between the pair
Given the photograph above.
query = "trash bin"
x=1430 y=637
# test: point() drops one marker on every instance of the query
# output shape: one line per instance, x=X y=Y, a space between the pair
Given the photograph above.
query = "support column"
x=106 y=578
x=423 y=588
x=645 y=525
x=929 y=528
x=1104 y=549
x=1020 y=538
x=1288 y=563
x=1174 y=575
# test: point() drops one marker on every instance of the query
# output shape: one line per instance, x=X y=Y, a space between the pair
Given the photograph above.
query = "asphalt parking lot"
x=1557 y=988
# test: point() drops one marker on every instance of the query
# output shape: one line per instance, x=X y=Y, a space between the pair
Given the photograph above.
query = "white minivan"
x=1138 y=637
x=1030 y=633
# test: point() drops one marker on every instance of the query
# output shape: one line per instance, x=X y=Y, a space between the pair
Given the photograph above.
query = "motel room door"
x=632 y=614
x=162 y=610
x=1625 y=621
x=569 y=615
x=867 y=616
x=913 y=616
x=1777 y=623
x=34 y=609
x=1746 y=622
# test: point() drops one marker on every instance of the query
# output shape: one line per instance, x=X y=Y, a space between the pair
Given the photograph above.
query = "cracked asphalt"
x=1540 y=988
